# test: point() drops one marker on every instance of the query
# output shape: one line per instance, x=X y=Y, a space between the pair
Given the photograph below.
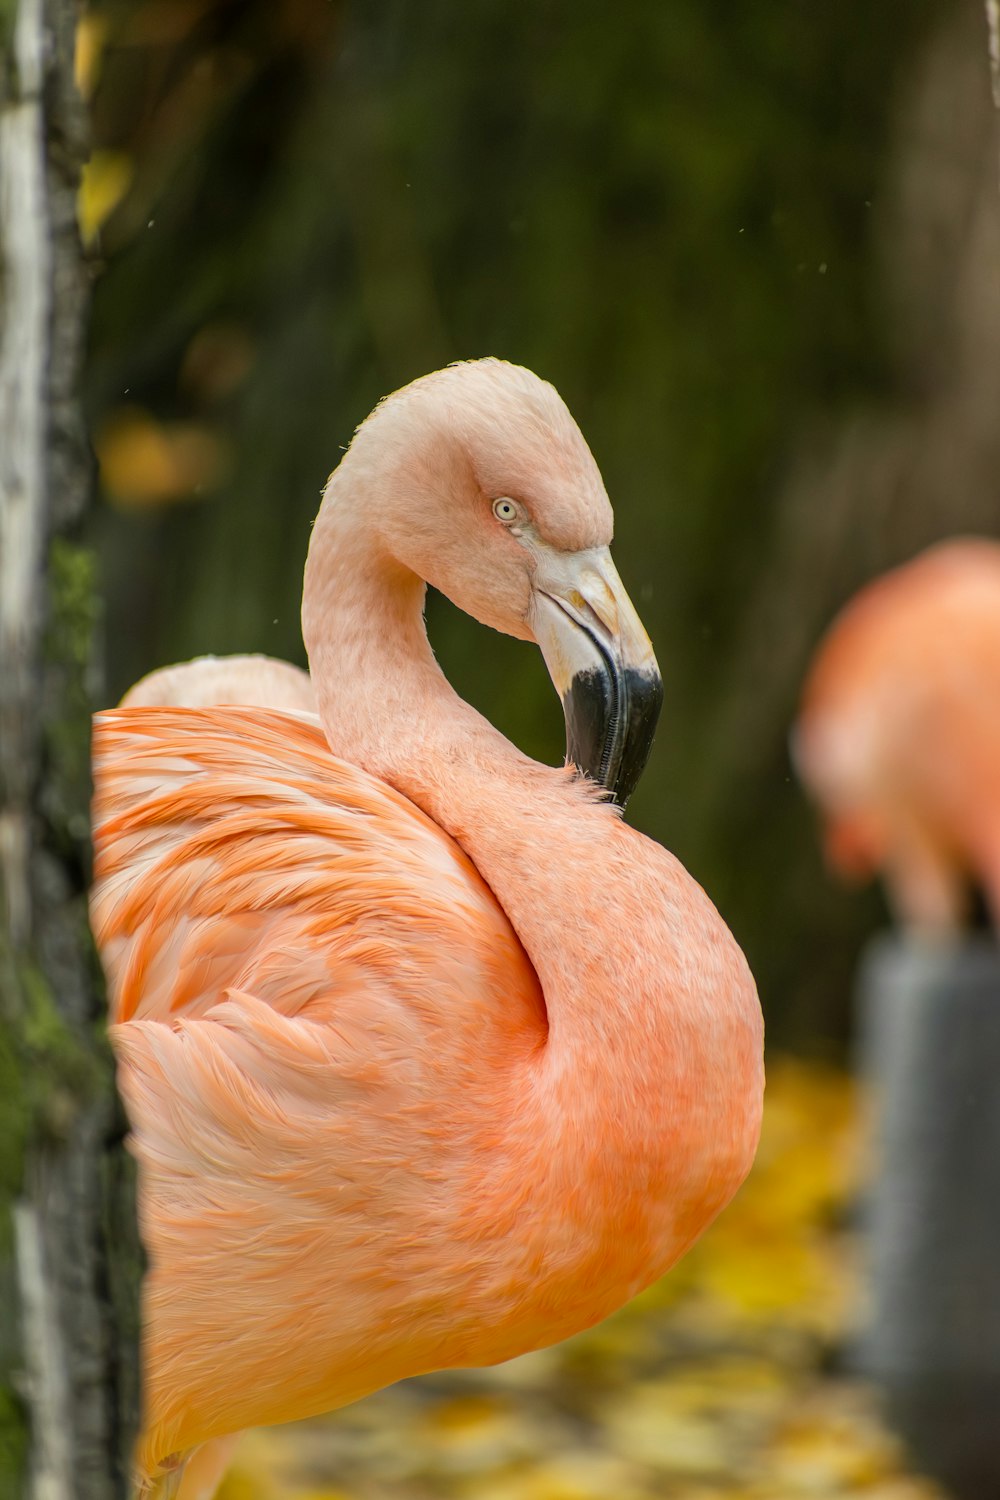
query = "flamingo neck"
x=384 y=701
x=387 y=706
x=650 y=1080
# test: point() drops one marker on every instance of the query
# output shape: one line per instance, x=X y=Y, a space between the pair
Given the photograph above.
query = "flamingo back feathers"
x=208 y=680
x=212 y=861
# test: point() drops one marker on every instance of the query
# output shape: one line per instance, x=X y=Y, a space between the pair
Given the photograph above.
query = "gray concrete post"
x=929 y=1051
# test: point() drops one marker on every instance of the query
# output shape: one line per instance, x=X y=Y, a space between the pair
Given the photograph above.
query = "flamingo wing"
x=313 y=990
x=233 y=852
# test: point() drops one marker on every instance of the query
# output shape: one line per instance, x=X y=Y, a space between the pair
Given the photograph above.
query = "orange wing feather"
x=264 y=842
x=263 y=909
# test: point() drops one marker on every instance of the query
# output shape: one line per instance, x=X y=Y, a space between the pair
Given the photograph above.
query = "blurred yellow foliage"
x=91 y=34
x=106 y=179
x=708 y=1387
x=147 y=463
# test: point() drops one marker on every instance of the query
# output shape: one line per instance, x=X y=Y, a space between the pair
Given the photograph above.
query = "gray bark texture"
x=69 y=1255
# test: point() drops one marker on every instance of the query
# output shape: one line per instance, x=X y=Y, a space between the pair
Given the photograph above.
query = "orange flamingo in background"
x=430 y=1059
x=899 y=733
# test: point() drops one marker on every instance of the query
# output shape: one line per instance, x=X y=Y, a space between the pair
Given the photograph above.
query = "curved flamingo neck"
x=650 y=1084
x=387 y=706
x=384 y=701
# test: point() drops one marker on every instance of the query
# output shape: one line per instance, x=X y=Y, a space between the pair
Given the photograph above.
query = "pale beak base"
x=602 y=664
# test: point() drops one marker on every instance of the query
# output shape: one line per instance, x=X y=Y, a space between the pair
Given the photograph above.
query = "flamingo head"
x=483 y=486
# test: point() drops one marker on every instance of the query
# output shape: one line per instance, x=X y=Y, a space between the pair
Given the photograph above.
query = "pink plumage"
x=430 y=1058
x=207 y=681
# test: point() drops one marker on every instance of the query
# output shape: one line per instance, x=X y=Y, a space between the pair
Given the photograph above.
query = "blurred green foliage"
x=664 y=208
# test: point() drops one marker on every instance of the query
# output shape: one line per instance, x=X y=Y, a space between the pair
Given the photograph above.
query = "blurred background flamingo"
x=430 y=1059
x=898 y=736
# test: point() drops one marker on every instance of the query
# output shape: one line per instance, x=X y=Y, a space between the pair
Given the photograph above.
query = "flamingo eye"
x=505 y=510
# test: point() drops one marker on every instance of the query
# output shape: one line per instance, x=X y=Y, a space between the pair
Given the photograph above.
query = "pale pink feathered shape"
x=255 y=681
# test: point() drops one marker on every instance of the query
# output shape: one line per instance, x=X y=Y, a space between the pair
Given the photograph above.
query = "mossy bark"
x=69 y=1254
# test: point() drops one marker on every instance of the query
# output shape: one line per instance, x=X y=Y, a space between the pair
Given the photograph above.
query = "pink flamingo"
x=430 y=1059
x=898 y=736
x=255 y=681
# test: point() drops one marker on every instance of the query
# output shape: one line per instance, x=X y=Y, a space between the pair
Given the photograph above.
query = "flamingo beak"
x=602 y=664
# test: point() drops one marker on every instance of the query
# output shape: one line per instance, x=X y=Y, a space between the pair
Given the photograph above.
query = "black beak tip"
x=644 y=696
x=610 y=722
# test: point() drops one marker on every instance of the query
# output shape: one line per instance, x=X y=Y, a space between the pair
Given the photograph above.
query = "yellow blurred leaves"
x=565 y=1476
x=108 y=175
x=831 y=1447
x=146 y=463
x=474 y=1433
x=91 y=34
x=239 y=1484
x=106 y=179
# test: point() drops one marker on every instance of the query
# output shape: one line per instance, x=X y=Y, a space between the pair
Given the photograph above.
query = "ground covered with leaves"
x=723 y=1382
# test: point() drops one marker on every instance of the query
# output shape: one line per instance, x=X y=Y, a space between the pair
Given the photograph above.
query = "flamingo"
x=430 y=1059
x=211 y=680
x=898 y=736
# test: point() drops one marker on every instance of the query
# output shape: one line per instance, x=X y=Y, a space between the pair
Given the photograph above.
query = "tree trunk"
x=69 y=1257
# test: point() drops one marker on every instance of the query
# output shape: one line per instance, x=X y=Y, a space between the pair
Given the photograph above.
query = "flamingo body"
x=430 y=1058
x=899 y=733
